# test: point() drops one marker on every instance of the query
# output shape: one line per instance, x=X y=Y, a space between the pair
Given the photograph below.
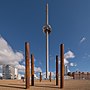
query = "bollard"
x=32 y=70
x=27 y=70
x=56 y=69
x=62 y=67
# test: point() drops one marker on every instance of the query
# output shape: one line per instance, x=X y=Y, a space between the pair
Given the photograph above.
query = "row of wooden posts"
x=27 y=71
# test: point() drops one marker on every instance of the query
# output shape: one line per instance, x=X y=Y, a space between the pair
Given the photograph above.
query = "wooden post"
x=83 y=76
x=27 y=71
x=62 y=66
x=40 y=77
x=50 y=76
x=88 y=75
x=32 y=70
x=79 y=75
x=74 y=74
x=56 y=69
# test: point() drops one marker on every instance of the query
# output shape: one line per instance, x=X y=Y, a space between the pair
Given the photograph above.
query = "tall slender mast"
x=47 y=14
x=47 y=30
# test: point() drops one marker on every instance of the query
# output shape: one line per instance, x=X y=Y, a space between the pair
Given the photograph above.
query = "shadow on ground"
x=12 y=86
x=47 y=86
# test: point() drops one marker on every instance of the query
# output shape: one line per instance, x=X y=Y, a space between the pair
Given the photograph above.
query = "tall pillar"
x=47 y=30
x=27 y=70
x=56 y=69
x=47 y=56
x=62 y=67
x=50 y=76
x=32 y=70
x=40 y=77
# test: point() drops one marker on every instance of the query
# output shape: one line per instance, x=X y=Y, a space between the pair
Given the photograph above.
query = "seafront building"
x=10 y=72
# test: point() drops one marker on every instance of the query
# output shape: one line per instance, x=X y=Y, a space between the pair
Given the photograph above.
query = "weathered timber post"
x=40 y=77
x=62 y=67
x=83 y=76
x=27 y=70
x=74 y=75
x=56 y=69
x=32 y=70
x=50 y=76
x=79 y=75
x=88 y=75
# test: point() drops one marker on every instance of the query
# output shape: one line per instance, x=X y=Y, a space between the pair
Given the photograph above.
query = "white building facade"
x=10 y=72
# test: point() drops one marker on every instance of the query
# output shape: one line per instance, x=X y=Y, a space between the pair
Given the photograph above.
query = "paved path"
x=45 y=85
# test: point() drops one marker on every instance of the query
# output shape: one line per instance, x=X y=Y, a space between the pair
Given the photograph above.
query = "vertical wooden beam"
x=32 y=70
x=87 y=75
x=50 y=76
x=83 y=76
x=56 y=69
x=40 y=77
x=62 y=67
x=74 y=75
x=27 y=58
x=79 y=75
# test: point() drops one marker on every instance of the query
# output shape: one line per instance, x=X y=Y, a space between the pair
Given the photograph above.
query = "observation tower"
x=47 y=31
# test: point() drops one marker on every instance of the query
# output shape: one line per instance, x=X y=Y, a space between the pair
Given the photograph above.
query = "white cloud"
x=53 y=74
x=68 y=70
x=35 y=76
x=1 y=75
x=73 y=64
x=37 y=69
x=7 y=55
x=66 y=61
x=69 y=55
x=21 y=68
x=82 y=40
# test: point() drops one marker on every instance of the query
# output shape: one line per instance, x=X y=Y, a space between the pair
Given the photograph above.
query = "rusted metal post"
x=50 y=76
x=56 y=69
x=40 y=77
x=32 y=70
x=62 y=67
x=27 y=58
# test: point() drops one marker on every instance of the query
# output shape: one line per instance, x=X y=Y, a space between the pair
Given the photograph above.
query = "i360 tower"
x=47 y=30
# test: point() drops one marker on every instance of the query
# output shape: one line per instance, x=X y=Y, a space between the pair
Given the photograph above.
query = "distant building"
x=16 y=74
x=10 y=72
x=19 y=77
x=65 y=69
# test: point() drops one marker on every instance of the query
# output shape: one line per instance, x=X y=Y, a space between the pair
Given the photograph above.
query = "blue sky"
x=22 y=20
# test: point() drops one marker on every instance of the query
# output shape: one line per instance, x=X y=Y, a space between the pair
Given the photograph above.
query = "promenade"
x=45 y=85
